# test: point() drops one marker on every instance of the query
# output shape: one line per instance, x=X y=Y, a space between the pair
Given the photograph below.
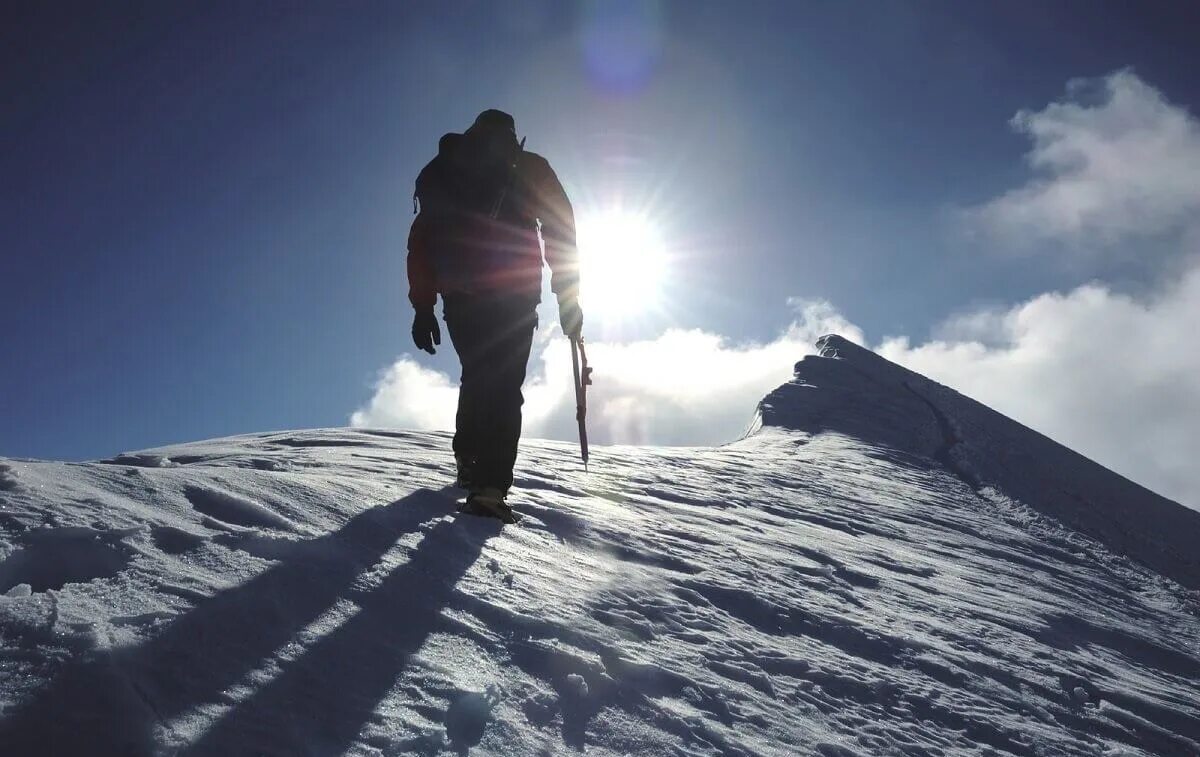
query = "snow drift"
x=882 y=567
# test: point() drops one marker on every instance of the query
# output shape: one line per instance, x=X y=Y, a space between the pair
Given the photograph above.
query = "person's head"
x=494 y=120
x=496 y=131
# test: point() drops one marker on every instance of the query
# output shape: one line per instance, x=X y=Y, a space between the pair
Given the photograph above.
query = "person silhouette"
x=487 y=212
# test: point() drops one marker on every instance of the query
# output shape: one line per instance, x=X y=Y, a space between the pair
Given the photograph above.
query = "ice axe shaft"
x=583 y=379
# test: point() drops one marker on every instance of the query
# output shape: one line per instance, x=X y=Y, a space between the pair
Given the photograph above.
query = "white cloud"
x=1114 y=160
x=685 y=387
x=409 y=395
x=1110 y=376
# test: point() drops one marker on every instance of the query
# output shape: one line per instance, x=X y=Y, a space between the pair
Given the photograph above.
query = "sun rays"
x=624 y=264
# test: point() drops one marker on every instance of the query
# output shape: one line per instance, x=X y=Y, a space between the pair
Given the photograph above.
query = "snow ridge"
x=850 y=390
x=851 y=579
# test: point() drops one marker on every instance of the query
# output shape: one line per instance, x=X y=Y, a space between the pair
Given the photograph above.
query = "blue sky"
x=205 y=204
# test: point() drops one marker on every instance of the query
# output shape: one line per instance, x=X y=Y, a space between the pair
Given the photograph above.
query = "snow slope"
x=883 y=567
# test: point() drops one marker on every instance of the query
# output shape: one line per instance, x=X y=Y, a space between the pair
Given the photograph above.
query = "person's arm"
x=422 y=288
x=562 y=255
x=422 y=285
x=558 y=233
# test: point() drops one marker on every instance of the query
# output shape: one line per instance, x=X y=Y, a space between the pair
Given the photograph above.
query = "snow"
x=881 y=567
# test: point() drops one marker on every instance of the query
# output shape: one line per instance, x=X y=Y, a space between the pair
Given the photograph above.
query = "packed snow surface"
x=882 y=567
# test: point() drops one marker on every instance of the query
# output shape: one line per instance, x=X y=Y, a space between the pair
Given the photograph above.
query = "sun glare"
x=622 y=263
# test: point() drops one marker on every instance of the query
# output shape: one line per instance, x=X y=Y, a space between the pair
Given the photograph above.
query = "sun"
x=622 y=263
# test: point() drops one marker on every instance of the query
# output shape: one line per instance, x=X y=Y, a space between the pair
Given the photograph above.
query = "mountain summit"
x=850 y=390
x=882 y=566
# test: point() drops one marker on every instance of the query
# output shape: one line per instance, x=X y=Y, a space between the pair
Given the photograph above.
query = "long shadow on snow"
x=108 y=703
x=319 y=702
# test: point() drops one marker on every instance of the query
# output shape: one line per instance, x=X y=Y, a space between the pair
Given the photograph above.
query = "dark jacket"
x=455 y=244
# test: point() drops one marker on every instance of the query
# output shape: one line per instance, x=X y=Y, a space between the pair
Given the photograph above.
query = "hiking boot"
x=464 y=471
x=490 y=501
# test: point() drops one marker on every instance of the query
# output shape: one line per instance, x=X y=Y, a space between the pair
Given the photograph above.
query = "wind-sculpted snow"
x=853 y=391
x=837 y=589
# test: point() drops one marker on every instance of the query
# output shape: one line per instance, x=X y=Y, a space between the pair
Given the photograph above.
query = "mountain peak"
x=848 y=389
x=836 y=345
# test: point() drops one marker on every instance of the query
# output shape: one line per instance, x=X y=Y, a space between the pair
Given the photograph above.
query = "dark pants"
x=492 y=335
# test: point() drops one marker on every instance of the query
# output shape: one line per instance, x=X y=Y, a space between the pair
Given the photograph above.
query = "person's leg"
x=512 y=324
x=468 y=335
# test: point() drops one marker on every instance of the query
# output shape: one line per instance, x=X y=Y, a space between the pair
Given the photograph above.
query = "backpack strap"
x=512 y=177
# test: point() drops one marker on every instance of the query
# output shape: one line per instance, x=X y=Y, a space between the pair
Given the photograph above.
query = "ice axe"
x=583 y=379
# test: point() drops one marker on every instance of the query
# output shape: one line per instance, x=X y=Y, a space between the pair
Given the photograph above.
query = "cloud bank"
x=1110 y=375
x=687 y=387
x=1115 y=159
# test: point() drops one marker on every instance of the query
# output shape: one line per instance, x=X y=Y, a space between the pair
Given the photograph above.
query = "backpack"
x=458 y=180
x=480 y=230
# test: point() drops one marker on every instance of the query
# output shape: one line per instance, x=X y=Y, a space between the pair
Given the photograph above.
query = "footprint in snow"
x=232 y=508
x=468 y=716
x=541 y=708
x=175 y=541
x=577 y=685
x=141 y=460
x=8 y=478
x=51 y=558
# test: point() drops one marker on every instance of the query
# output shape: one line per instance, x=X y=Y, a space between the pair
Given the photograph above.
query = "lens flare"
x=622 y=261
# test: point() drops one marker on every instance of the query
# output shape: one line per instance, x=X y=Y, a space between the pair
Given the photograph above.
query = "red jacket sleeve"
x=422 y=287
x=422 y=284
x=558 y=232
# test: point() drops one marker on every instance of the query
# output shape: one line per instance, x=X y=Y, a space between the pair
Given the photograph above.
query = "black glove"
x=570 y=316
x=425 y=331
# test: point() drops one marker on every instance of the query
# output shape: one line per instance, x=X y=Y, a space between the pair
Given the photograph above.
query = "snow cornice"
x=850 y=390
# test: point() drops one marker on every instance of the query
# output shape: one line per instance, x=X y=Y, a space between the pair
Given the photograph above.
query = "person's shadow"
x=111 y=703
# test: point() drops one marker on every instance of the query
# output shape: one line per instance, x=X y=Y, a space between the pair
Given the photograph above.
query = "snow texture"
x=881 y=567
